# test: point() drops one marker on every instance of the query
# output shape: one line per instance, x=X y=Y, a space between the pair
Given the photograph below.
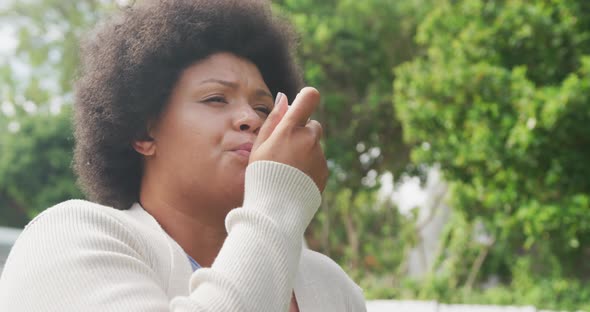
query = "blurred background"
x=457 y=133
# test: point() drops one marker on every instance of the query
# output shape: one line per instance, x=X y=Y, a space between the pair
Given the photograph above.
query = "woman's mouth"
x=243 y=150
x=243 y=153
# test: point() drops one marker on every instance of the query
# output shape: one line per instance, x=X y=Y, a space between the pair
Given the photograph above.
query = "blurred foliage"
x=501 y=102
x=495 y=93
x=35 y=103
x=348 y=50
x=35 y=169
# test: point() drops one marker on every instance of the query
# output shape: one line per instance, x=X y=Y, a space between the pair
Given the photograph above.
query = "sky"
x=8 y=40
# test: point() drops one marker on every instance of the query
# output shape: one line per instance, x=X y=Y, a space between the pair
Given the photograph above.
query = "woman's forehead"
x=223 y=68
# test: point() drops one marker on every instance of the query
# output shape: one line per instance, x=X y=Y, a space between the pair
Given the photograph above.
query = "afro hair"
x=131 y=62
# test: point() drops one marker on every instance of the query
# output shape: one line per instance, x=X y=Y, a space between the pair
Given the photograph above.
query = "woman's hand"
x=288 y=136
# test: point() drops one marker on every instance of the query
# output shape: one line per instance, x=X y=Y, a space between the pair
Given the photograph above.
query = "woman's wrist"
x=283 y=193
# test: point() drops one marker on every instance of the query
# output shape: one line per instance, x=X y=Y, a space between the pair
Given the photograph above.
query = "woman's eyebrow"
x=226 y=83
x=233 y=85
x=262 y=92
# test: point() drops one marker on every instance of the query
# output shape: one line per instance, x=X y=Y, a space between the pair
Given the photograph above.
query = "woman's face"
x=203 y=138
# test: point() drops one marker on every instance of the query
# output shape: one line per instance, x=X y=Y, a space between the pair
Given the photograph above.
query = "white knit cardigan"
x=81 y=256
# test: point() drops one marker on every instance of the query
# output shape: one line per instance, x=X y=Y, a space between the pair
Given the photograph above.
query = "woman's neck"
x=198 y=231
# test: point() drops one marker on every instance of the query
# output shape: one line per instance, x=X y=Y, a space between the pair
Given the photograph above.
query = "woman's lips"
x=243 y=150
x=244 y=153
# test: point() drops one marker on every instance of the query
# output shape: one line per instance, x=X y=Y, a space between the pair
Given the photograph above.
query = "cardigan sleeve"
x=83 y=259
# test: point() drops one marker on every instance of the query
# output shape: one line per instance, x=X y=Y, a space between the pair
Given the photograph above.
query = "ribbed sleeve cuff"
x=283 y=193
x=256 y=266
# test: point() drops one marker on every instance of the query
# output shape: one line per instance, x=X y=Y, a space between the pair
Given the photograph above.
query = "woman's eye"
x=218 y=99
x=263 y=109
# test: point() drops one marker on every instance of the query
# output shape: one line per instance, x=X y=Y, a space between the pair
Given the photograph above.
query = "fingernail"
x=278 y=98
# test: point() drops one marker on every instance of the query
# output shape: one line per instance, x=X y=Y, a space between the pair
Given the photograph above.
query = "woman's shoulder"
x=75 y=209
x=83 y=214
x=77 y=230
x=324 y=267
x=75 y=248
x=324 y=273
x=81 y=224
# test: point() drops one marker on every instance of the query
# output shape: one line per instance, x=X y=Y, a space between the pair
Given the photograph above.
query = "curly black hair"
x=130 y=64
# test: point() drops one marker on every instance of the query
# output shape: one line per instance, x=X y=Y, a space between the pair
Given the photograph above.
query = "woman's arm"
x=259 y=259
x=80 y=258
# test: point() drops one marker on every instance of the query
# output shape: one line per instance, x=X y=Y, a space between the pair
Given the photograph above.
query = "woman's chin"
x=235 y=194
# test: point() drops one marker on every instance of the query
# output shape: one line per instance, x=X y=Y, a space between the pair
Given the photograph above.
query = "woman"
x=175 y=127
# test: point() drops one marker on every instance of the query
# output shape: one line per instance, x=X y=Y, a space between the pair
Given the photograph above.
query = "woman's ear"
x=145 y=144
x=145 y=147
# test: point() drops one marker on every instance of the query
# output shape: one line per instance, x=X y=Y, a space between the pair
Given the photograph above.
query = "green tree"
x=36 y=83
x=35 y=169
x=348 y=50
x=501 y=101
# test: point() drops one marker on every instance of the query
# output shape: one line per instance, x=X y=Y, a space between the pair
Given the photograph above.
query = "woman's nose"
x=247 y=119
